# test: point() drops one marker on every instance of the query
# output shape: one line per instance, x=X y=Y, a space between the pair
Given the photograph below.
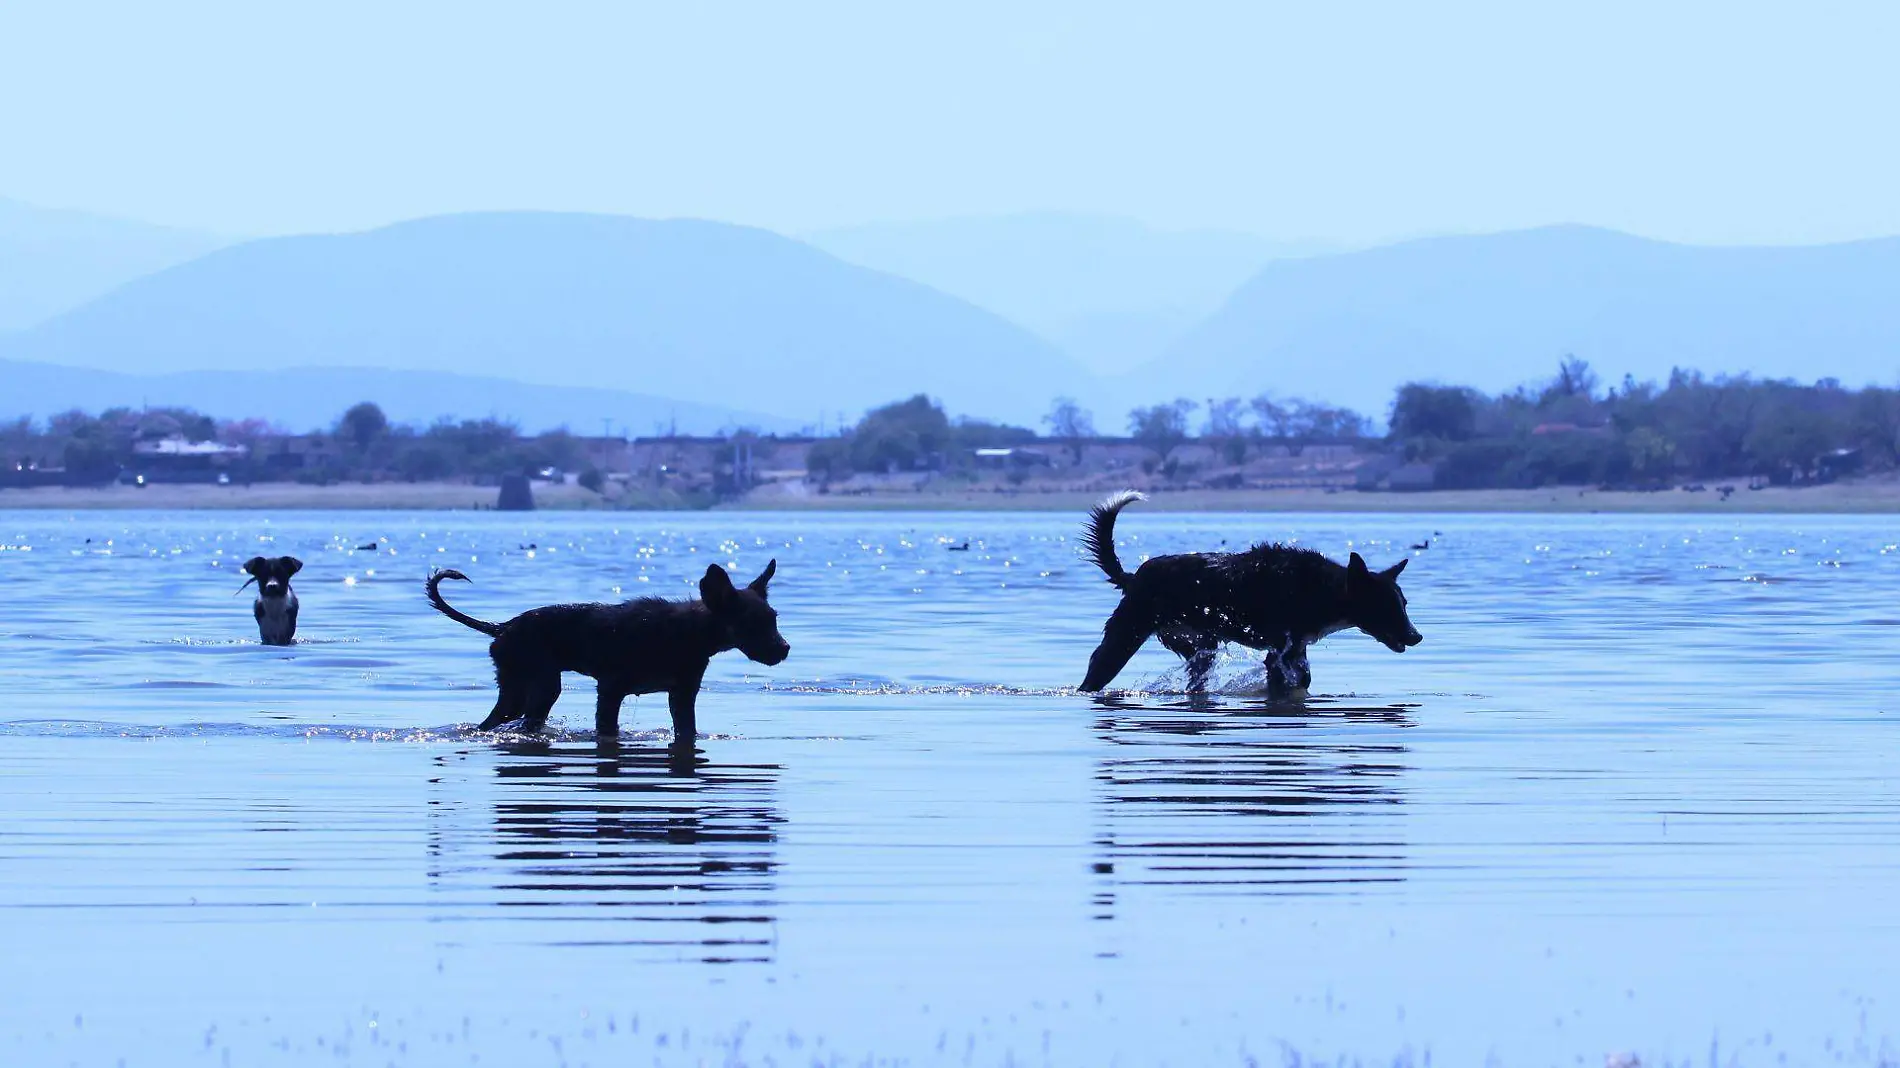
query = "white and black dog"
x=276 y=605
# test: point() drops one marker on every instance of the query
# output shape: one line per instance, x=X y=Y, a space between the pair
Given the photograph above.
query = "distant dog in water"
x=1274 y=598
x=276 y=604
x=640 y=646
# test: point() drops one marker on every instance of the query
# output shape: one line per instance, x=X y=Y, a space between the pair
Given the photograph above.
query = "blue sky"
x=1730 y=122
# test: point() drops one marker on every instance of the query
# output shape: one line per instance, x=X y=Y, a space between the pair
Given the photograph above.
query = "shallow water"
x=1635 y=792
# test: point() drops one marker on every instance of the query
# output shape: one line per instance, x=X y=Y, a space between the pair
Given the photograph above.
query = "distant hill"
x=311 y=398
x=720 y=315
x=1496 y=310
x=52 y=260
x=1111 y=292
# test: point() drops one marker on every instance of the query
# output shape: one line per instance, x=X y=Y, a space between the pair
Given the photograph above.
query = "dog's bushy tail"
x=443 y=606
x=1098 y=536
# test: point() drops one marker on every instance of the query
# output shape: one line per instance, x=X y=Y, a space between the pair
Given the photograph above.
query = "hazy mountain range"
x=563 y=318
x=311 y=398
x=52 y=261
x=702 y=312
x=1495 y=310
x=1111 y=292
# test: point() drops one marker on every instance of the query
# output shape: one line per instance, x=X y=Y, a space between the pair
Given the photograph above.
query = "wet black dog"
x=1274 y=598
x=276 y=604
x=641 y=646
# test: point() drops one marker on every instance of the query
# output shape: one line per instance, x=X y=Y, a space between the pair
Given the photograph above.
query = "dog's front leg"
x=1300 y=669
x=680 y=701
x=1122 y=637
x=1287 y=669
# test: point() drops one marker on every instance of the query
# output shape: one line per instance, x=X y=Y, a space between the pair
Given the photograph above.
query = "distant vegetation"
x=1569 y=430
x=1572 y=431
x=364 y=446
x=909 y=435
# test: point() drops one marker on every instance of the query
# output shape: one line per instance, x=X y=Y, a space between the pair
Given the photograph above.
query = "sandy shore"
x=1864 y=496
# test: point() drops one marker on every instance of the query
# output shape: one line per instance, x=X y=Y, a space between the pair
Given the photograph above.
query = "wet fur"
x=275 y=608
x=1275 y=598
x=641 y=646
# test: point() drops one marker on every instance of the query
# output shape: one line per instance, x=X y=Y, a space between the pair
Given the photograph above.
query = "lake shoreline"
x=1864 y=496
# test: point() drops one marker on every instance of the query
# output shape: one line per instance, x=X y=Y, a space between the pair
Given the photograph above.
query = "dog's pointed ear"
x=1356 y=566
x=1392 y=573
x=758 y=585
x=255 y=566
x=716 y=586
x=296 y=565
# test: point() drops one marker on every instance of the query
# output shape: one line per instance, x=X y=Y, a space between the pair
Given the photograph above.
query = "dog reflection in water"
x=599 y=835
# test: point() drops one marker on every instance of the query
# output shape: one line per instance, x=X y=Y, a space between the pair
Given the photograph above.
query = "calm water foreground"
x=1635 y=793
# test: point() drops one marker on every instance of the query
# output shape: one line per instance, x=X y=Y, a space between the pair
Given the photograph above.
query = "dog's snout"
x=768 y=654
x=1414 y=638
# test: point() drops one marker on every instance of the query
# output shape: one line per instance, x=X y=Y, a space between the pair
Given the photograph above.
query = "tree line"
x=362 y=445
x=1571 y=430
x=917 y=433
x=1568 y=429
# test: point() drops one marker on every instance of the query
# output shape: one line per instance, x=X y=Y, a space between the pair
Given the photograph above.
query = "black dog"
x=1274 y=598
x=640 y=646
x=276 y=604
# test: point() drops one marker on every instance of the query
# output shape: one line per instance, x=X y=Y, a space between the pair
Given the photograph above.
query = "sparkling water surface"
x=1635 y=794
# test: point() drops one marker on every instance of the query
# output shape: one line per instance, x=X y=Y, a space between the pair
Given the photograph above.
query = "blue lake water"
x=1636 y=792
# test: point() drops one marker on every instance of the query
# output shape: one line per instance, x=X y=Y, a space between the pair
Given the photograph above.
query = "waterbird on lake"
x=964 y=548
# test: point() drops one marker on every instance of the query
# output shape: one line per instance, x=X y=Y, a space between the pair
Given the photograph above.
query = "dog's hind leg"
x=1122 y=637
x=1199 y=653
x=1288 y=670
x=1199 y=667
x=542 y=692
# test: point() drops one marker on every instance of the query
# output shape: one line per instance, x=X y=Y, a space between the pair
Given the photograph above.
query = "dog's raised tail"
x=443 y=606
x=1098 y=536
